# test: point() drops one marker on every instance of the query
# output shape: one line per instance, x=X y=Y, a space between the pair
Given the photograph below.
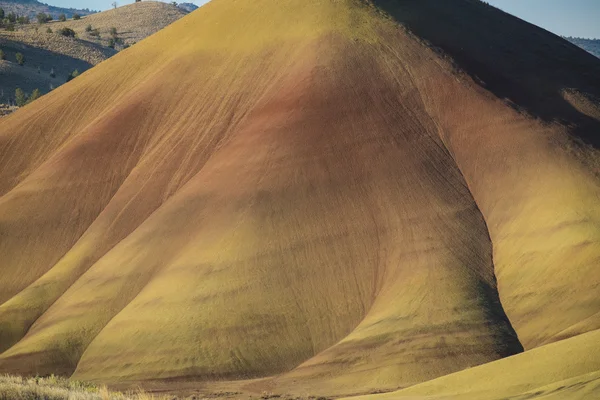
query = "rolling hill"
x=322 y=197
x=51 y=57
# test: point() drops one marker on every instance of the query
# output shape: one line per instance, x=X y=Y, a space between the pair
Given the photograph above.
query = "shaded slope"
x=52 y=57
x=326 y=198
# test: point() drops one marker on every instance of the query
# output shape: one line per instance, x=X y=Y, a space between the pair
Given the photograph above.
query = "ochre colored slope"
x=297 y=189
x=552 y=372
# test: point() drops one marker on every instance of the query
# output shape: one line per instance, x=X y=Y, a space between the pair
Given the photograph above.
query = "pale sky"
x=580 y=18
x=564 y=17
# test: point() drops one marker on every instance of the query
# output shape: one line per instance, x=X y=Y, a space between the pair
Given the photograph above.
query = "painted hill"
x=312 y=198
x=589 y=45
x=31 y=8
x=51 y=57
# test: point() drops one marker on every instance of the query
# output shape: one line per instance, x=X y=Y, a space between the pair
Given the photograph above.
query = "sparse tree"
x=20 y=58
x=12 y=17
x=36 y=94
x=10 y=26
x=1 y=13
x=62 y=17
x=20 y=97
x=42 y=18
x=76 y=16
x=114 y=4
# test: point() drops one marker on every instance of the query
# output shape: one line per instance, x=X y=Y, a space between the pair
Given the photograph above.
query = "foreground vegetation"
x=56 y=388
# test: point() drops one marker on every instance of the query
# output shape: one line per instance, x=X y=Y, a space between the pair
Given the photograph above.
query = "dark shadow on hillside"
x=513 y=59
x=28 y=77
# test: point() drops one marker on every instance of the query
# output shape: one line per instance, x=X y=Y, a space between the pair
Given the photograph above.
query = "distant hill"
x=51 y=57
x=589 y=45
x=189 y=7
x=133 y=23
x=32 y=7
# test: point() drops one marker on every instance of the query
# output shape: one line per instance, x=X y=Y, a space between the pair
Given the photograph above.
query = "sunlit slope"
x=293 y=187
x=556 y=371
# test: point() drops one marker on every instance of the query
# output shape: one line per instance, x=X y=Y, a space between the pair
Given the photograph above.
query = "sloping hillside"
x=31 y=8
x=50 y=57
x=312 y=198
x=133 y=23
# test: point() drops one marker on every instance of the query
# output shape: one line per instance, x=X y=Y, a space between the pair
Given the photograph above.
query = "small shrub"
x=88 y=28
x=62 y=17
x=20 y=58
x=10 y=27
x=2 y=55
x=23 y=20
x=1 y=13
x=73 y=75
x=111 y=43
x=76 y=16
x=68 y=32
x=113 y=31
x=48 y=30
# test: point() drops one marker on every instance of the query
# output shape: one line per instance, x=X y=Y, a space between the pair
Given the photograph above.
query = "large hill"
x=50 y=57
x=316 y=197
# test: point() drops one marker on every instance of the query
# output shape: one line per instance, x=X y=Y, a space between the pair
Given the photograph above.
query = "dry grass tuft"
x=57 y=388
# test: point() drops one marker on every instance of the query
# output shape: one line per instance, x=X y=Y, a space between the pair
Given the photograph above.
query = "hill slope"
x=50 y=54
x=133 y=22
x=347 y=196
